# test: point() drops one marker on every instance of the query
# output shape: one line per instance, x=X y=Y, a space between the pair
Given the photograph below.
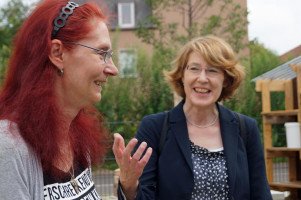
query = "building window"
x=126 y=15
x=128 y=63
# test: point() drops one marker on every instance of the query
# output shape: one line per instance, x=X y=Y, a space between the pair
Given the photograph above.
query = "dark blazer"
x=170 y=175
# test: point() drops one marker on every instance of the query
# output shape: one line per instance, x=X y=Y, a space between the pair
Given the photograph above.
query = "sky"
x=275 y=23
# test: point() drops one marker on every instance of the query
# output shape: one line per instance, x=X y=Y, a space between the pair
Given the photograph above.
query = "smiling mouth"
x=202 y=91
x=97 y=83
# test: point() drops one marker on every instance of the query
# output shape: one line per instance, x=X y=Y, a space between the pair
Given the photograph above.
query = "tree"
x=230 y=22
x=129 y=99
x=262 y=60
x=11 y=17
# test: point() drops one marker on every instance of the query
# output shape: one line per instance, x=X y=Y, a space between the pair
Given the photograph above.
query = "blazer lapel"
x=230 y=131
x=179 y=129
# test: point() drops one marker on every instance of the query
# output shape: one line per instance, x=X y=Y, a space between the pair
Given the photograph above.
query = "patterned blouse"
x=210 y=174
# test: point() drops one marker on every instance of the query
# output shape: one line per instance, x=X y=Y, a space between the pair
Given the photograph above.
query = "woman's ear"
x=56 y=54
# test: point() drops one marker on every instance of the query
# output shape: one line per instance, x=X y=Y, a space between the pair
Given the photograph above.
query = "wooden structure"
x=290 y=84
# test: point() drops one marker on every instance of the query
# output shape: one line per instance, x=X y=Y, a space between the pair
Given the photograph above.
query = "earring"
x=60 y=72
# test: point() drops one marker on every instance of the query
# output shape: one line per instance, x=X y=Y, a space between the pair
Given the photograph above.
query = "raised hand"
x=131 y=167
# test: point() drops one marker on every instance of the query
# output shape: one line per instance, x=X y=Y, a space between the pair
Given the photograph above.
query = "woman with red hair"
x=50 y=133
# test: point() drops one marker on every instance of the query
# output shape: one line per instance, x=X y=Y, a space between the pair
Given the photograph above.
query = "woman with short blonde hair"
x=205 y=154
x=216 y=52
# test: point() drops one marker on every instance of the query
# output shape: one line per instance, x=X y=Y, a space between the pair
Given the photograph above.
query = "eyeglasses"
x=106 y=55
x=210 y=71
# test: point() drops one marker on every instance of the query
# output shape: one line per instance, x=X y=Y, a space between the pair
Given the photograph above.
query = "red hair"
x=27 y=97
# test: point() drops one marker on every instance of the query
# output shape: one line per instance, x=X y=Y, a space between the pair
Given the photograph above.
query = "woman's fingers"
x=138 y=160
x=143 y=161
x=118 y=141
x=126 y=154
x=131 y=164
x=146 y=157
x=131 y=167
x=137 y=155
x=118 y=146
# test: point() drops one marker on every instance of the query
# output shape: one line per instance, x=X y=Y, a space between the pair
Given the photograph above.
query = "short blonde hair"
x=216 y=52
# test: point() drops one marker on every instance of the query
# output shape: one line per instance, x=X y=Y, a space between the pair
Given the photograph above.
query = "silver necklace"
x=73 y=181
x=206 y=126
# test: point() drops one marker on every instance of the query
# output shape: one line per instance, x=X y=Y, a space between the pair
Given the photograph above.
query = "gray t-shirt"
x=21 y=175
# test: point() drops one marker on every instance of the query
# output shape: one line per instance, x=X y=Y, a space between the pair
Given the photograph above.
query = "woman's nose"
x=111 y=69
x=203 y=76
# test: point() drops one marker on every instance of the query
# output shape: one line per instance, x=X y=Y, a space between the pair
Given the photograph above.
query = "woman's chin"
x=96 y=99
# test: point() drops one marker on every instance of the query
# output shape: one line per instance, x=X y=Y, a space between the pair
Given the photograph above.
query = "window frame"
x=132 y=15
x=134 y=74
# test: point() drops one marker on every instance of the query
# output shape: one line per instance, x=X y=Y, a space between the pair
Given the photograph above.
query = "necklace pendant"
x=74 y=184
